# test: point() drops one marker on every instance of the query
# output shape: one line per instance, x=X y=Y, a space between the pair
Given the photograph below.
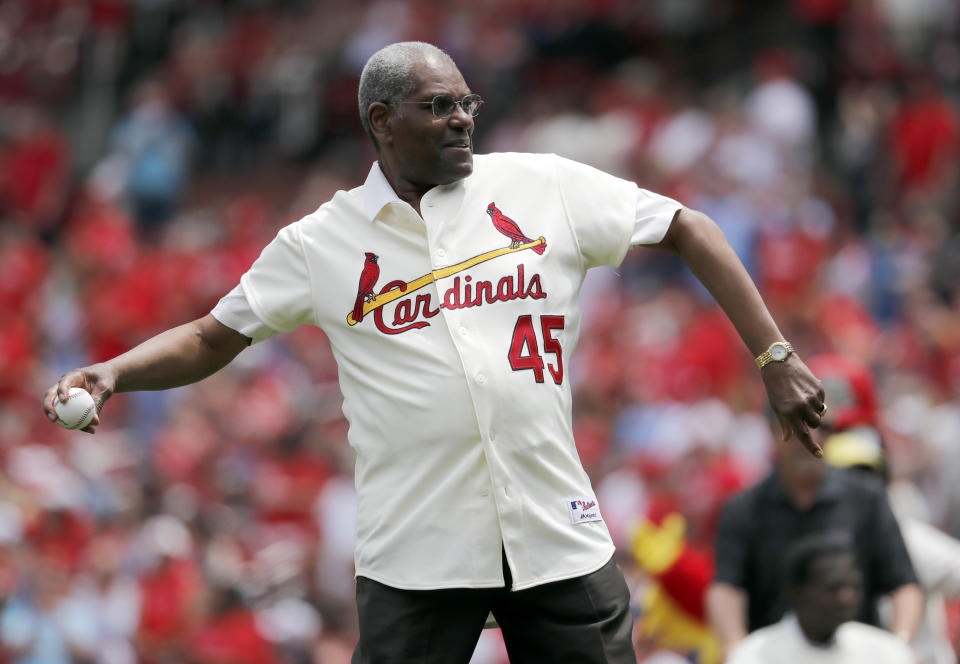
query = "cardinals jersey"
x=453 y=359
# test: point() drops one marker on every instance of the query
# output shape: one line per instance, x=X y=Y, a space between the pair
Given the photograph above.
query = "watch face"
x=778 y=353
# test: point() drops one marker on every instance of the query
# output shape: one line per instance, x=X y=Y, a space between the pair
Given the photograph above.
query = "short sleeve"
x=654 y=215
x=234 y=311
x=935 y=556
x=277 y=285
x=731 y=544
x=609 y=214
x=889 y=555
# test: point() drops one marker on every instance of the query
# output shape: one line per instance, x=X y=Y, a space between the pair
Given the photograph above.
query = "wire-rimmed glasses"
x=444 y=105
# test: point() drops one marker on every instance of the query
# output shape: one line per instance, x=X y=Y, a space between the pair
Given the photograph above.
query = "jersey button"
x=441 y=252
x=463 y=331
x=493 y=434
x=484 y=493
x=481 y=378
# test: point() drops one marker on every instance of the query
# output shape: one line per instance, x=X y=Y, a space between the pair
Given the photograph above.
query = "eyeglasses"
x=444 y=105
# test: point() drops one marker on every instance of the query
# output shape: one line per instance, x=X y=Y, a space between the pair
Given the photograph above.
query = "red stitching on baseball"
x=82 y=417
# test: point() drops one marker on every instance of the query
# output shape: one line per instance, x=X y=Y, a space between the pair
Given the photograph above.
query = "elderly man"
x=447 y=285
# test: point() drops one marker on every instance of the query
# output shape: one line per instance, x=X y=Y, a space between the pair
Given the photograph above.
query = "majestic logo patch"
x=411 y=313
x=583 y=510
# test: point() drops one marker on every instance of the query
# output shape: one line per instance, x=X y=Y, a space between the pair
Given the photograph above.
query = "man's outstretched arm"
x=794 y=392
x=179 y=356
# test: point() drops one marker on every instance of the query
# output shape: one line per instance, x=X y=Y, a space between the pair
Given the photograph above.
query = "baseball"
x=78 y=410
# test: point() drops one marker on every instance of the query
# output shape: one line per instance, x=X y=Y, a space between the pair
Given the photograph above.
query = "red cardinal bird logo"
x=509 y=227
x=368 y=278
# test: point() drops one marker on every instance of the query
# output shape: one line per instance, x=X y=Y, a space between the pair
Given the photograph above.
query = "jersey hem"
x=403 y=585
x=589 y=569
x=461 y=583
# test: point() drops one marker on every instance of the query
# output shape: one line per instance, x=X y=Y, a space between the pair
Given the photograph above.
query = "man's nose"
x=460 y=118
x=849 y=596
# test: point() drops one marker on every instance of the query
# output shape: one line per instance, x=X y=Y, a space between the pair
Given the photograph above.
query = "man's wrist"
x=778 y=351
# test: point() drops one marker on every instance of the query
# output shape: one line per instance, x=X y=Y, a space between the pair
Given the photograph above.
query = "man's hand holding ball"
x=74 y=402
x=78 y=411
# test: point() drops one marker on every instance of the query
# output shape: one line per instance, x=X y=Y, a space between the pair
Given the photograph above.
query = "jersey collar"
x=377 y=192
x=792 y=624
x=378 y=195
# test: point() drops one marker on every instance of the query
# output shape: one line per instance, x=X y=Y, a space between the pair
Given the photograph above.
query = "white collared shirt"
x=853 y=643
x=455 y=379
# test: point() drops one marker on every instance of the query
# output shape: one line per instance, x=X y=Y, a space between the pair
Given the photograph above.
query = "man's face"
x=426 y=150
x=830 y=597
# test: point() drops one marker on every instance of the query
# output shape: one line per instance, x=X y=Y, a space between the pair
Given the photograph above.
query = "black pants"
x=585 y=620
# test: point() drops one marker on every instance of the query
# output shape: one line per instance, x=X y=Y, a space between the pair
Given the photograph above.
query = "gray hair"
x=388 y=75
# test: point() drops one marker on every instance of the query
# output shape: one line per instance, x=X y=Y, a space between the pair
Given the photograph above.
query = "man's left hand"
x=797 y=398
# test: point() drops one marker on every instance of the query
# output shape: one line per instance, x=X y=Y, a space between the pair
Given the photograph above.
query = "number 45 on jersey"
x=525 y=347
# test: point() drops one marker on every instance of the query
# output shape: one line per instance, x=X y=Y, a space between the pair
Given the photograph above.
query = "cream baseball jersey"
x=452 y=334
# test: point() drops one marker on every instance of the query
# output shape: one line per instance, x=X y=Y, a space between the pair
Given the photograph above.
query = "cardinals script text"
x=411 y=313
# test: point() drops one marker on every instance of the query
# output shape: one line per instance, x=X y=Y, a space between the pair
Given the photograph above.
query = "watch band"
x=766 y=357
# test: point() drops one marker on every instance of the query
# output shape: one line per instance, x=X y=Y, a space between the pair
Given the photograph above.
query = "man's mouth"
x=459 y=143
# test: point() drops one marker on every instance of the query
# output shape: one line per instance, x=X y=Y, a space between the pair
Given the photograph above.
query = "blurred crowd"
x=150 y=148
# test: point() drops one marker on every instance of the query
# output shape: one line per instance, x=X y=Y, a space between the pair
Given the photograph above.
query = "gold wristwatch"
x=778 y=352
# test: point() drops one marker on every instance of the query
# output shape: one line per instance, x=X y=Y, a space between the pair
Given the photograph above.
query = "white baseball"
x=77 y=411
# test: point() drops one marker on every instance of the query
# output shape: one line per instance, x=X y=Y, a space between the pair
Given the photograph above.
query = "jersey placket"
x=438 y=207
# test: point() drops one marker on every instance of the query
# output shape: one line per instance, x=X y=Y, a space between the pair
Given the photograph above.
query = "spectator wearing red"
x=34 y=169
x=229 y=635
x=170 y=591
x=925 y=137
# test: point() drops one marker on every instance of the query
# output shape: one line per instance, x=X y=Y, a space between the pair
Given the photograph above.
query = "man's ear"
x=379 y=115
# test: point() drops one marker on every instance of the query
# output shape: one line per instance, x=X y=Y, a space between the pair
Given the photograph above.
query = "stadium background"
x=150 y=148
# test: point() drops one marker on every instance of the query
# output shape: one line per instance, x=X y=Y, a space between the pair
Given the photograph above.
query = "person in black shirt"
x=803 y=496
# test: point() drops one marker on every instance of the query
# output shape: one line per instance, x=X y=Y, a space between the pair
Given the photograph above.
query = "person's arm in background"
x=894 y=569
x=936 y=560
x=906 y=604
x=935 y=556
x=176 y=357
x=726 y=614
x=727 y=602
x=794 y=392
